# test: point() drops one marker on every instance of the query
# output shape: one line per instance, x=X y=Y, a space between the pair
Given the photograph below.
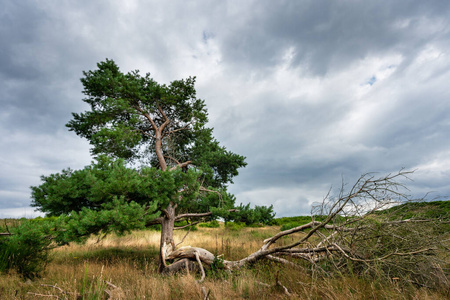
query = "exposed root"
x=197 y=256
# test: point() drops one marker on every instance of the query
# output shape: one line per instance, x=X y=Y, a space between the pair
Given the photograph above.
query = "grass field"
x=125 y=268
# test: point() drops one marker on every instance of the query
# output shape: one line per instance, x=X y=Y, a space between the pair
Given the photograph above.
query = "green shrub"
x=288 y=226
x=300 y=220
x=27 y=249
x=256 y=215
x=191 y=228
x=234 y=226
x=211 y=224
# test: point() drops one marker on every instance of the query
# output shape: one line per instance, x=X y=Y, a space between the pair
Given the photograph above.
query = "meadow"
x=125 y=268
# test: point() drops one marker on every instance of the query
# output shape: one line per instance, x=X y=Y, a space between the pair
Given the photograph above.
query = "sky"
x=314 y=93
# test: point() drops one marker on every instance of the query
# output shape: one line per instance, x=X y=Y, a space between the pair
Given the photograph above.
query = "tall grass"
x=125 y=268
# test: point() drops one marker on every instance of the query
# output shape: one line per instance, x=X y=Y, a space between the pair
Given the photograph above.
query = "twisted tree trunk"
x=167 y=244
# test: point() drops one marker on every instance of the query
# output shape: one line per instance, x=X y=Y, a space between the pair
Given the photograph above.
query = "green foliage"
x=127 y=113
x=100 y=182
x=210 y=224
x=114 y=124
x=160 y=128
x=118 y=216
x=45 y=219
x=234 y=226
x=418 y=210
x=300 y=220
x=216 y=269
x=185 y=226
x=217 y=263
x=118 y=123
x=92 y=289
x=291 y=225
x=257 y=215
x=27 y=249
x=218 y=166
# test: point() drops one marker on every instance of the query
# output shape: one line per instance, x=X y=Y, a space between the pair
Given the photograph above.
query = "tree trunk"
x=167 y=244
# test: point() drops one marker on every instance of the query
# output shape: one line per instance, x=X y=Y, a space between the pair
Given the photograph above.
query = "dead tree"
x=348 y=233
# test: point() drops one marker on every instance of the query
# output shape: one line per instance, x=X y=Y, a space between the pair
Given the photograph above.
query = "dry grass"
x=129 y=263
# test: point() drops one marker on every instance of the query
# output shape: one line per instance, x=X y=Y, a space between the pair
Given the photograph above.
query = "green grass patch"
x=418 y=210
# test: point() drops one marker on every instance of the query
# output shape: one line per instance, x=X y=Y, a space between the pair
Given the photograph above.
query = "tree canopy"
x=180 y=171
x=159 y=127
x=135 y=118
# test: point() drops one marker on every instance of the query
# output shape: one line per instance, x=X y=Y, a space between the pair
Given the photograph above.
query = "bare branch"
x=42 y=295
x=345 y=253
x=188 y=225
x=154 y=222
x=197 y=215
x=172 y=159
x=181 y=165
x=178 y=129
x=284 y=261
x=182 y=240
x=350 y=231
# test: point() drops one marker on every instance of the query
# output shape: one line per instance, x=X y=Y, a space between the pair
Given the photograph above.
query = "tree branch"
x=166 y=119
x=147 y=116
x=178 y=129
x=197 y=215
x=181 y=165
x=154 y=222
x=172 y=159
x=383 y=257
x=188 y=225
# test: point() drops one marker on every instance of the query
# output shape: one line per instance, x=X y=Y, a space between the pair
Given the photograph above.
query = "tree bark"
x=167 y=244
x=159 y=153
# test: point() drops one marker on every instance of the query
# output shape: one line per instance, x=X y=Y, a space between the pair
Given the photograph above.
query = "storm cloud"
x=309 y=91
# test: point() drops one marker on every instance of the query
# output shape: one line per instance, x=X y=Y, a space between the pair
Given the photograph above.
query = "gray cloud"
x=328 y=35
x=309 y=91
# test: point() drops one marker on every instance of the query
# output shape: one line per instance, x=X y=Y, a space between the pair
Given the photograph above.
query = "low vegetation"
x=418 y=210
x=124 y=267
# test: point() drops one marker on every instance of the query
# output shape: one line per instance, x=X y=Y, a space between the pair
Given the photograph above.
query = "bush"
x=300 y=220
x=190 y=228
x=258 y=215
x=234 y=226
x=27 y=249
x=211 y=224
x=291 y=225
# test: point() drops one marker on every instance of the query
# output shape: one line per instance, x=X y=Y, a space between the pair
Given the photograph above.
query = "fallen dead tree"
x=349 y=234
